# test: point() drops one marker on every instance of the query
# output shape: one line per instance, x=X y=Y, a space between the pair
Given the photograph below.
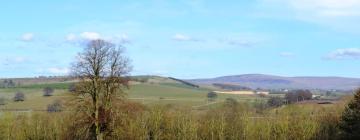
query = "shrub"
x=135 y=121
x=72 y=88
x=48 y=91
x=55 y=107
x=275 y=101
x=19 y=96
x=350 y=123
x=212 y=96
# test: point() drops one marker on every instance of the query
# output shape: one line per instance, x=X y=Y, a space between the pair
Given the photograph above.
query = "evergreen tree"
x=350 y=123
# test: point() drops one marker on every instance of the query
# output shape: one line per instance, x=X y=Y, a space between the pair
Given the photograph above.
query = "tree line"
x=7 y=83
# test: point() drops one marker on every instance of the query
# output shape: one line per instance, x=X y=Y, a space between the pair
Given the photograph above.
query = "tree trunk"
x=99 y=135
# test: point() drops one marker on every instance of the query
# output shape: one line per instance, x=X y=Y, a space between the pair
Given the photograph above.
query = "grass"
x=167 y=92
x=34 y=98
x=62 y=85
x=159 y=90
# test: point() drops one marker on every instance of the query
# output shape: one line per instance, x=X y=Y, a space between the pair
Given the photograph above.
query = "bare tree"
x=298 y=95
x=102 y=69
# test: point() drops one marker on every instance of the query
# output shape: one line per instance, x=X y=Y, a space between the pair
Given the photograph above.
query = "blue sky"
x=186 y=38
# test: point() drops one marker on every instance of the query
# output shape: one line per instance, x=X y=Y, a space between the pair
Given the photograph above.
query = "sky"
x=185 y=38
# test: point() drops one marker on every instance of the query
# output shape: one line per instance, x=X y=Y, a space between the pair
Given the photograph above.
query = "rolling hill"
x=277 y=82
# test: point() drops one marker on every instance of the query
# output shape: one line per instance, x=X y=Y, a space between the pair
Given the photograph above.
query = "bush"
x=212 y=96
x=136 y=121
x=72 y=88
x=275 y=101
x=350 y=123
x=48 y=91
x=55 y=107
x=19 y=96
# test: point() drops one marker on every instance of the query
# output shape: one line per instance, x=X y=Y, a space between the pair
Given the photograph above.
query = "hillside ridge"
x=281 y=82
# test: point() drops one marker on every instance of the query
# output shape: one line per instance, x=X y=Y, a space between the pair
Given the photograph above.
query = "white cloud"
x=90 y=35
x=340 y=15
x=239 y=43
x=71 y=37
x=19 y=59
x=286 y=54
x=344 y=53
x=27 y=37
x=60 y=71
x=86 y=36
x=182 y=37
x=121 y=39
x=319 y=8
x=327 y=8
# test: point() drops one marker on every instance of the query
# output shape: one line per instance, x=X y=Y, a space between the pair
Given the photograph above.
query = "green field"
x=157 y=90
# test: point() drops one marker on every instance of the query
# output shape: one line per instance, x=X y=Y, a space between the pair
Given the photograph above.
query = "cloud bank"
x=352 y=53
x=182 y=37
x=58 y=71
x=86 y=36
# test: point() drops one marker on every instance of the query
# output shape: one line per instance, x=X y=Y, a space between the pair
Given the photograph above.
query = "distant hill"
x=252 y=81
x=277 y=82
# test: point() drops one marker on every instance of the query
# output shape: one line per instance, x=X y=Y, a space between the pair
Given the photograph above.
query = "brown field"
x=236 y=92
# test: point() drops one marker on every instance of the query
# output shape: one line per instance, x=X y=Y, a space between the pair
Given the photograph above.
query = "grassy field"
x=34 y=98
x=157 y=90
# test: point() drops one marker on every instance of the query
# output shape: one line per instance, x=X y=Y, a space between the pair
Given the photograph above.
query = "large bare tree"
x=102 y=69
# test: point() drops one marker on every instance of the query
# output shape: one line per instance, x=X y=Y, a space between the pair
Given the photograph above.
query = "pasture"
x=155 y=91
